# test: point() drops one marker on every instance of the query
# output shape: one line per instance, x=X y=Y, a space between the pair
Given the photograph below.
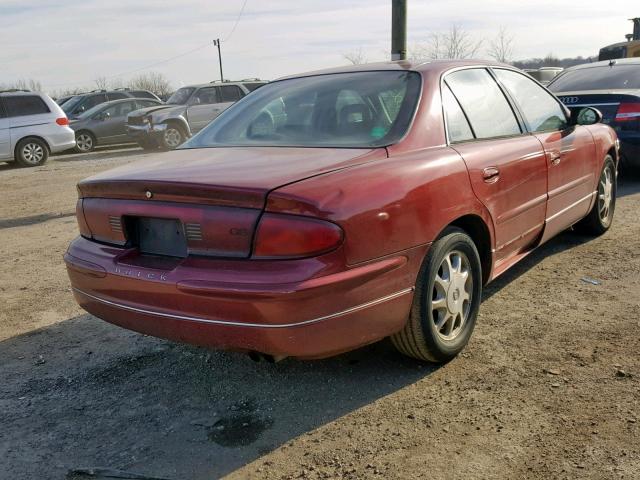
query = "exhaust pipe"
x=260 y=357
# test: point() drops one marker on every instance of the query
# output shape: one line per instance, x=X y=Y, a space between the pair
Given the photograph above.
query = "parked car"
x=105 y=124
x=330 y=210
x=32 y=126
x=544 y=75
x=186 y=112
x=613 y=87
x=78 y=104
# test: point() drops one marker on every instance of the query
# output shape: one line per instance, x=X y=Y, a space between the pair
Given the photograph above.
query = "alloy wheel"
x=84 y=142
x=452 y=295
x=605 y=195
x=32 y=153
x=172 y=137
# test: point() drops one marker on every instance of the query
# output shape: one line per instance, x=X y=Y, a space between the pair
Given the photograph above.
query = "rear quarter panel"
x=388 y=205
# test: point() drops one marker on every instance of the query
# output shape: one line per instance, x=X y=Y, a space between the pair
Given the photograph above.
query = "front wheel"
x=172 y=137
x=600 y=218
x=446 y=301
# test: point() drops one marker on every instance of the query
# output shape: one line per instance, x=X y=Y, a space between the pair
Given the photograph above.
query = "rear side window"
x=230 y=93
x=484 y=103
x=541 y=111
x=253 y=86
x=25 y=105
x=457 y=124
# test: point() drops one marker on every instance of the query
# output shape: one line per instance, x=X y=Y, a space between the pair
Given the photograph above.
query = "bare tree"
x=355 y=57
x=153 y=81
x=24 y=84
x=102 y=83
x=501 y=47
x=455 y=43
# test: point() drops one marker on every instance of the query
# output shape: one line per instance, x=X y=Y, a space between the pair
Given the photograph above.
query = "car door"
x=5 y=139
x=569 y=149
x=203 y=106
x=110 y=124
x=507 y=167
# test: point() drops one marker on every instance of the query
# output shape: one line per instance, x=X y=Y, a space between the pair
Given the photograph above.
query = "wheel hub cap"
x=451 y=298
x=605 y=194
x=32 y=152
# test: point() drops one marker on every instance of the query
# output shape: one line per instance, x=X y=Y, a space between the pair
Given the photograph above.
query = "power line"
x=244 y=4
x=167 y=60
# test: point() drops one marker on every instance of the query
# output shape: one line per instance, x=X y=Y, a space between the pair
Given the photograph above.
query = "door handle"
x=491 y=174
x=555 y=157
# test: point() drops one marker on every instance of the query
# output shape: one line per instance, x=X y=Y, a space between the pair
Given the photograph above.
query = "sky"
x=65 y=43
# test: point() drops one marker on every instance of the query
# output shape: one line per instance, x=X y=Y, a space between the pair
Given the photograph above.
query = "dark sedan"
x=105 y=124
x=613 y=87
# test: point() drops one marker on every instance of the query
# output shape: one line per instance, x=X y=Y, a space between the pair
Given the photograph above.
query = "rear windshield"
x=355 y=110
x=598 y=78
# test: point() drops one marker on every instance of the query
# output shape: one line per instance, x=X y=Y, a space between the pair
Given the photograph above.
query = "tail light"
x=82 y=222
x=291 y=236
x=627 y=112
x=62 y=121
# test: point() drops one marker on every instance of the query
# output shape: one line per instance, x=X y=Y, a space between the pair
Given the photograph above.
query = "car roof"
x=606 y=63
x=221 y=84
x=17 y=93
x=436 y=66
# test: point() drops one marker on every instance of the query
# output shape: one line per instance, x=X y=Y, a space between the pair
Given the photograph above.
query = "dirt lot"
x=549 y=386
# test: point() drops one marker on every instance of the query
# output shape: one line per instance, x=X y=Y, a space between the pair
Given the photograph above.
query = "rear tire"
x=31 y=152
x=85 y=142
x=600 y=218
x=446 y=301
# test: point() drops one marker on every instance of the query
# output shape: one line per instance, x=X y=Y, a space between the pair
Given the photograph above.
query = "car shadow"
x=84 y=393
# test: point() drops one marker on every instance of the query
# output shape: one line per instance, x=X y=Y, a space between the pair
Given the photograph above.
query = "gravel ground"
x=548 y=388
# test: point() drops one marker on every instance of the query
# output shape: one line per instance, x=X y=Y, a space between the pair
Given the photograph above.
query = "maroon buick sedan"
x=332 y=209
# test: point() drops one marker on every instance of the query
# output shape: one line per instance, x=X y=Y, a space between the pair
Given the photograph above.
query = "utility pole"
x=216 y=42
x=398 y=29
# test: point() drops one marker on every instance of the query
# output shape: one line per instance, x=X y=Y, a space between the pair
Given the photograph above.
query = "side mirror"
x=588 y=116
x=103 y=116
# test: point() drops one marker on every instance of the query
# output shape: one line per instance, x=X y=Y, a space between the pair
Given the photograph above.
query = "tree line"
x=153 y=81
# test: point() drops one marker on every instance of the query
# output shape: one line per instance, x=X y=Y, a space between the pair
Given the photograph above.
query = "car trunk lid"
x=215 y=195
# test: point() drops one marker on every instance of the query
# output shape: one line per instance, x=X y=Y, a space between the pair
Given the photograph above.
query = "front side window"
x=541 y=111
x=205 y=96
x=457 y=124
x=353 y=110
x=90 y=102
x=484 y=103
x=25 y=105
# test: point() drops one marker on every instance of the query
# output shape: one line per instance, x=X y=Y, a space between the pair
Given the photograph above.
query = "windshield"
x=181 y=96
x=357 y=110
x=69 y=105
x=598 y=78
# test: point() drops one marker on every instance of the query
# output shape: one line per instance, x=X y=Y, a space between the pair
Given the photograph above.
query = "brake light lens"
x=291 y=236
x=627 y=112
x=62 y=121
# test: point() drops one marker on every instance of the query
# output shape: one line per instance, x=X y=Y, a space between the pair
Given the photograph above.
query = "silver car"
x=105 y=124
x=186 y=112
x=32 y=126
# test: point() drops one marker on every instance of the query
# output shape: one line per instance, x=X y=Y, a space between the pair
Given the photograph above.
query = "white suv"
x=31 y=127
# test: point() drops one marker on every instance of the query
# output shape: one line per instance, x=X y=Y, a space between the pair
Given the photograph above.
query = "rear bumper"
x=286 y=308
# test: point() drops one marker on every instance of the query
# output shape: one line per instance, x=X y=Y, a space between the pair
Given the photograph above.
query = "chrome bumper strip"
x=242 y=324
